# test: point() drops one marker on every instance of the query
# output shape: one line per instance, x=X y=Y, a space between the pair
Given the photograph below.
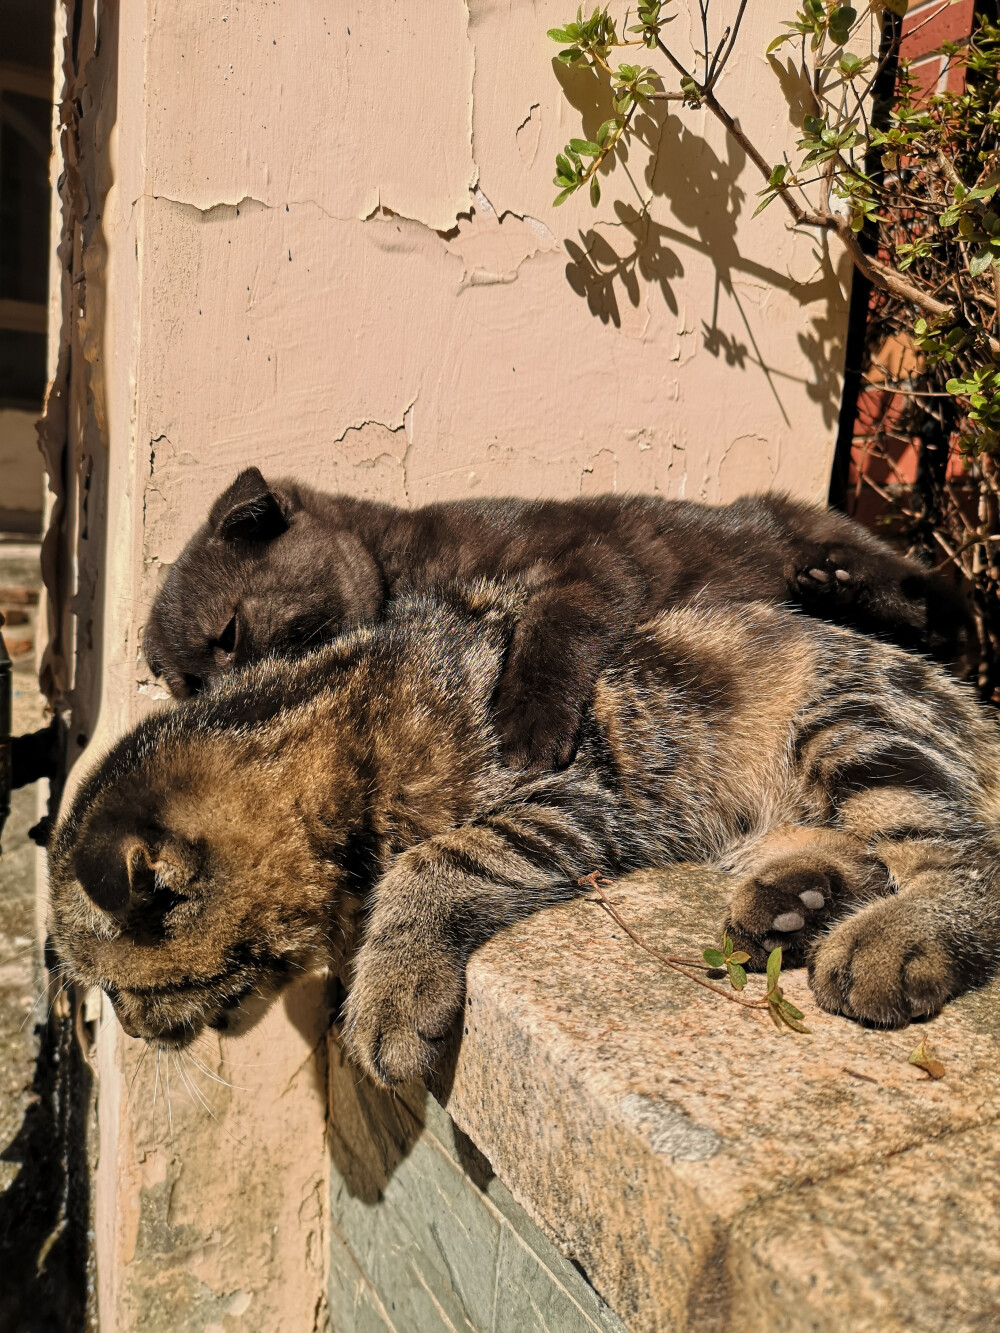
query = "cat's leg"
x=903 y=955
x=838 y=571
x=568 y=629
x=791 y=883
x=443 y=898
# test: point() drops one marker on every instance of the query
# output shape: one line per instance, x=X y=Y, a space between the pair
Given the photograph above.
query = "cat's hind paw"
x=877 y=967
x=400 y=1011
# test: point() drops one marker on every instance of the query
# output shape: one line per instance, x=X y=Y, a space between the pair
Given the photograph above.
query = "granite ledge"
x=700 y=1166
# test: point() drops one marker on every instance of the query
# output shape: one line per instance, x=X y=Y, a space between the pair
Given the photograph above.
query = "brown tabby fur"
x=215 y=851
x=279 y=568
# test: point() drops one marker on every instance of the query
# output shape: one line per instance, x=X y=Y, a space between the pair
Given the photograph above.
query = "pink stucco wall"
x=320 y=238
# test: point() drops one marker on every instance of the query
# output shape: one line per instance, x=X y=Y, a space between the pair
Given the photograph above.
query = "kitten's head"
x=183 y=881
x=265 y=574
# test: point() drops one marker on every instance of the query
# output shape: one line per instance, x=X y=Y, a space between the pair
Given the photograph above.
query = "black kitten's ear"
x=248 y=511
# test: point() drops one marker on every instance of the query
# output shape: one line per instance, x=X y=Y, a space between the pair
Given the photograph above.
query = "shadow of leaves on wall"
x=596 y=267
x=706 y=200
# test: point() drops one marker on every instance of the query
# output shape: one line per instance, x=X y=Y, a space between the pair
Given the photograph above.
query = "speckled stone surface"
x=702 y=1167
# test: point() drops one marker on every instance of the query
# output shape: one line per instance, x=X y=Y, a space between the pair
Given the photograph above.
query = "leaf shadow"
x=706 y=197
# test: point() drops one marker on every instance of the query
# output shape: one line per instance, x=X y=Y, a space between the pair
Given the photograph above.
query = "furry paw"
x=538 y=734
x=829 y=575
x=878 y=967
x=785 y=905
x=400 y=1010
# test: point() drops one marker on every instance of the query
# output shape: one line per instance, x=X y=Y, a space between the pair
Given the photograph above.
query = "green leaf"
x=562 y=197
x=713 y=957
x=739 y=957
x=737 y=976
x=779 y=41
x=559 y=35
x=595 y=191
x=585 y=147
x=791 y=1017
x=773 y=968
x=605 y=132
x=980 y=263
x=841 y=22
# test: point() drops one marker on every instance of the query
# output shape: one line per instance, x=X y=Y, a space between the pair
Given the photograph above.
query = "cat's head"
x=266 y=574
x=182 y=880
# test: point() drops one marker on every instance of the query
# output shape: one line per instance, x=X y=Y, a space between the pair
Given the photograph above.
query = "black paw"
x=826 y=576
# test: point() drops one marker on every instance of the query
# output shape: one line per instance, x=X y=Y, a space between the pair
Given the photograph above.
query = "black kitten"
x=282 y=568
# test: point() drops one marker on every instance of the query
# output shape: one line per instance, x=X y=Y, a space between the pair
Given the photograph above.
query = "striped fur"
x=222 y=846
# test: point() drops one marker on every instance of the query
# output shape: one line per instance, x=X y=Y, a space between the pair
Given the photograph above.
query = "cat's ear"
x=139 y=869
x=114 y=871
x=248 y=511
x=110 y=869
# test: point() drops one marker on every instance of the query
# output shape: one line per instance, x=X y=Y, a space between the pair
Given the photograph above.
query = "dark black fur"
x=280 y=568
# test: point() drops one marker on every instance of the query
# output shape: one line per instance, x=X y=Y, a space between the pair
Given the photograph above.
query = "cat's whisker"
x=40 y=999
x=193 y=1088
x=17 y=954
x=37 y=1001
x=135 y=1072
x=208 y=1073
x=166 y=1093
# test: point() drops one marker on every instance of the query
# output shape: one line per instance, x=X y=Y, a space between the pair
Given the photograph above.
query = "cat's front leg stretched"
x=437 y=903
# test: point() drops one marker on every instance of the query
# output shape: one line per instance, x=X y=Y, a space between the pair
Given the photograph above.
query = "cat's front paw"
x=400 y=1010
x=876 y=967
x=783 y=905
x=538 y=734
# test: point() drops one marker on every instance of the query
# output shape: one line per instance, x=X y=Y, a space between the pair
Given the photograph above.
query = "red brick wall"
x=926 y=26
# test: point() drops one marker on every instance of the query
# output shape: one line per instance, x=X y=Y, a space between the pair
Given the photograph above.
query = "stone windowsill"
x=702 y=1168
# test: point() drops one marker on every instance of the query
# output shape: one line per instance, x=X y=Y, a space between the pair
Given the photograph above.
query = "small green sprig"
x=729 y=959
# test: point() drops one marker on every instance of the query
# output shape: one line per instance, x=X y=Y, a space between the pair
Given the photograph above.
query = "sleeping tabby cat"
x=215 y=851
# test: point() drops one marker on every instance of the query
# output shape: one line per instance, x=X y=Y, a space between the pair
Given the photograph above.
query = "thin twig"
x=593 y=881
